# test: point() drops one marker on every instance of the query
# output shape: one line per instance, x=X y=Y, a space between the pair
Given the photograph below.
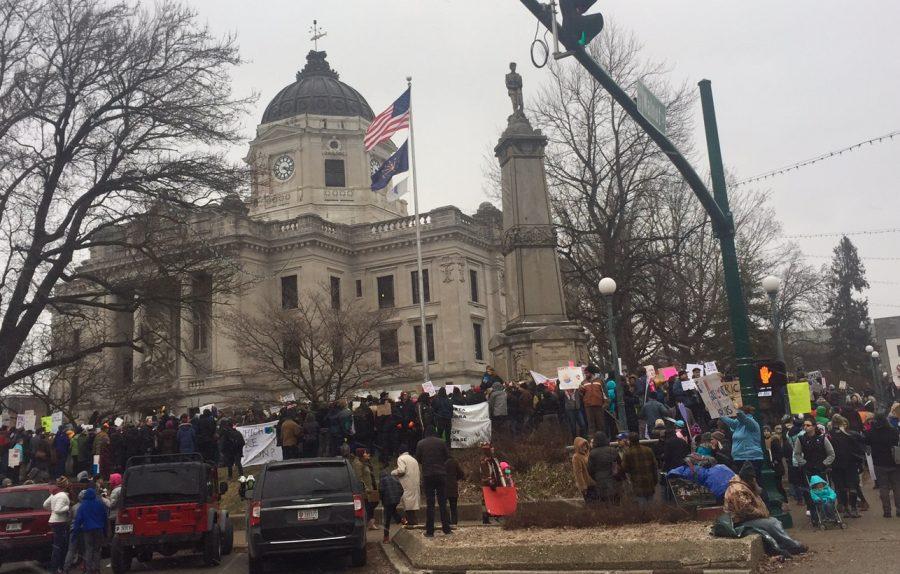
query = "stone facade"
x=887 y=339
x=311 y=215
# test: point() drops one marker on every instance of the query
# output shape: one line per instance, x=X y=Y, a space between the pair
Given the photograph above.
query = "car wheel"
x=212 y=547
x=120 y=558
x=228 y=538
x=145 y=556
x=358 y=558
x=256 y=565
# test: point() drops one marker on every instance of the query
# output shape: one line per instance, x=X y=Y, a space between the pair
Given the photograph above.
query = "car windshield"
x=164 y=484
x=305 y=480
x=19 y=500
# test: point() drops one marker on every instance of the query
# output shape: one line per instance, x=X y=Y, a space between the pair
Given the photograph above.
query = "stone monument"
x=538 y=334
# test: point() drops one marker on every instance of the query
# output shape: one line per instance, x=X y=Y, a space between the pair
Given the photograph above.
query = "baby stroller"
x=827 y=513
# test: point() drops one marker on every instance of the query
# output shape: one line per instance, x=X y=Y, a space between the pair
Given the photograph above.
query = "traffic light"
x=578 y=26
x=769 y=375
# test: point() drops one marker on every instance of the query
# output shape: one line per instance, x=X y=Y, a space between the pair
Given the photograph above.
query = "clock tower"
x=308 y=154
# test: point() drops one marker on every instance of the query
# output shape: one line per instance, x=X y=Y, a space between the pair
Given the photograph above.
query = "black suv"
x=306 y=505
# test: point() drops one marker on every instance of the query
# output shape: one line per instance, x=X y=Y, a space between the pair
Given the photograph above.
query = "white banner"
x=471 y=425
x=260 y=445
x=716 y=397
x=57 y=421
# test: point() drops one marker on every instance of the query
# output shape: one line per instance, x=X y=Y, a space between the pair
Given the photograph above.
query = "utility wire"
x=863 y=258
x=817 y=159
x=843 y=233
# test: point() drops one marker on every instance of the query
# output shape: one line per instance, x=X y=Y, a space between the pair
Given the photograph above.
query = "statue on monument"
x=514 y=85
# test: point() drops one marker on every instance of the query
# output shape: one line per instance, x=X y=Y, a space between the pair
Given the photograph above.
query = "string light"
x=863 y=258
x=817 y=159
x=843 y=233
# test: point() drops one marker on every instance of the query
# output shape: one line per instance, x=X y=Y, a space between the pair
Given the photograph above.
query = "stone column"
x=538 y=334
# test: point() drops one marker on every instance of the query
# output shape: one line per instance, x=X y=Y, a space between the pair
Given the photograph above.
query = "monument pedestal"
x=538 y=335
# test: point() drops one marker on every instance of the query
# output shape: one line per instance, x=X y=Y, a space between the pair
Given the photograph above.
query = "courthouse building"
x=312 y=220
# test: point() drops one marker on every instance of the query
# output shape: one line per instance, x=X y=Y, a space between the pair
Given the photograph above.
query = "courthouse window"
x=429 y=341
x=359 y=287
x=414 y=278
x=335 y=293
x=289 y=292
x=479 y=343
x=386 y=292
x=473 y=285
x=389 y=347
x=201 y=310
x=334 y=173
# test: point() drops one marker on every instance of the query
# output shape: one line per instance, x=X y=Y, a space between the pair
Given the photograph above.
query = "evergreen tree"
x=848 y=316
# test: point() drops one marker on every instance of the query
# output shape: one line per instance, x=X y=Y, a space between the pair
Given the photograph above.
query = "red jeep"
x=24 y=524
x=170 y=503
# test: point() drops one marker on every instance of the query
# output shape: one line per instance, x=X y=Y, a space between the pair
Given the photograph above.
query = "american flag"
x=388 y=122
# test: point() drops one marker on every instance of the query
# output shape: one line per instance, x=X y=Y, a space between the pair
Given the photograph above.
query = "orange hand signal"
x=765 y=374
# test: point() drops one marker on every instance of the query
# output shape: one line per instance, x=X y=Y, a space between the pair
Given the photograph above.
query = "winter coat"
x=232 y=443
x=583 y=479
x=882 y=437
x=390 y=489
x=594 y=393
x=58 y=505
x=526 y=402
x=432 y=454
x=674 y=451
x=187 y=438
x=366 y=476
x=442 y=407
x=290 y=433
x=745 y=438
x=824 y=494
x=454 y=475
x=815 y=453
x=167 y=441
x=92 y=513
x=849 y=451
x=600 y=464
x=653 y=410
x=742 y=502
x=639 y=463
x=714 y=479
x=497 y=401
x=61 y=445
x=407 y=472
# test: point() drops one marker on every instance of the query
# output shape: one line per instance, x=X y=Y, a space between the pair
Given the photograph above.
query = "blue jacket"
x=714 y=479
x=187 y=438
x=745 y=438
x=92 y=513
x=820 y=494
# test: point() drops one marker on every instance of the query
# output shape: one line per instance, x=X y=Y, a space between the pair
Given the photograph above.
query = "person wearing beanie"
x=115 y=492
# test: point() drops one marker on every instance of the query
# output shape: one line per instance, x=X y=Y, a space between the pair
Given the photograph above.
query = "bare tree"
x=112 y=118
x=324 y=350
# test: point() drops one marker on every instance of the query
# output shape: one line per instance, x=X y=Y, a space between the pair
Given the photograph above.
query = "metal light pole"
x=772 y=285
x=875 y=360
x=607 y=288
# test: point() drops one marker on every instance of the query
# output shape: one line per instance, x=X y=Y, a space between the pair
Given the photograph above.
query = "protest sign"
x=871 y=464
x=691 y=367
x=46 y=424
x=260 y=445
x=95 y=467
x=651 y=372
x=57 y=420
x=208 y=407
x=716 y=396
x=710 y=367
x=20 y=421
x=842 y=385
x=569 y=377
x=428 y=387
x=118 y=422
x=798 y=397
x=449 y=389
x=668 y=372
x=288 y=398
x=15 y=458
x=471 y=425
x=30 y=421
x=5 y=418
x=689 y=385
x=733 y=388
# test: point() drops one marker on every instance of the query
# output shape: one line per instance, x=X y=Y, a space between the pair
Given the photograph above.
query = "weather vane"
x=317 y=33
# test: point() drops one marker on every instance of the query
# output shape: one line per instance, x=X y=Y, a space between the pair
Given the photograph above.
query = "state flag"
x=396 y=164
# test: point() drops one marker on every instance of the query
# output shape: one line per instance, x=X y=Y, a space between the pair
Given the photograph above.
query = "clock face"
x=283 y=168
x=374 y=164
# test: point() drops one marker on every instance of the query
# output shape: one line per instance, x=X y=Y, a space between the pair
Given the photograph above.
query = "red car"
x=25 y=532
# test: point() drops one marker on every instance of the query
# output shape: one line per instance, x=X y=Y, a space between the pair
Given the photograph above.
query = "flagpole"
x=423 y=336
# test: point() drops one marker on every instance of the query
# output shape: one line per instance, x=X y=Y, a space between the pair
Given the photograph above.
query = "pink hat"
x=115 y=479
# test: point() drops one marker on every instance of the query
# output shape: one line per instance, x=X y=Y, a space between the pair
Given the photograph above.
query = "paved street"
x=237 y=564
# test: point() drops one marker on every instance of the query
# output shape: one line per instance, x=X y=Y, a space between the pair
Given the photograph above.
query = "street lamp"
x=607 y=288
x=875 y=355
x=772 y=285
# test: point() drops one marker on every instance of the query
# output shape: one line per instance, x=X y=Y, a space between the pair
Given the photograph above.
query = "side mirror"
x=223 y=488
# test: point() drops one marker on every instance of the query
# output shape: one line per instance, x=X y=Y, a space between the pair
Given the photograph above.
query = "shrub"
x=564 y=515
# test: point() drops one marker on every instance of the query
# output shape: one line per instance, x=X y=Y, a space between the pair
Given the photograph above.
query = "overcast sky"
x=791 y=80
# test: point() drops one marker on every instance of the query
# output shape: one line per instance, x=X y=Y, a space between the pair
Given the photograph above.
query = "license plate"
x=14 y=527
x=308 y=514
x=124 y=528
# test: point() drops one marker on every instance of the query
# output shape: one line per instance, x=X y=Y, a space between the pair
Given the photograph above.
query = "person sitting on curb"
x=747 y=509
